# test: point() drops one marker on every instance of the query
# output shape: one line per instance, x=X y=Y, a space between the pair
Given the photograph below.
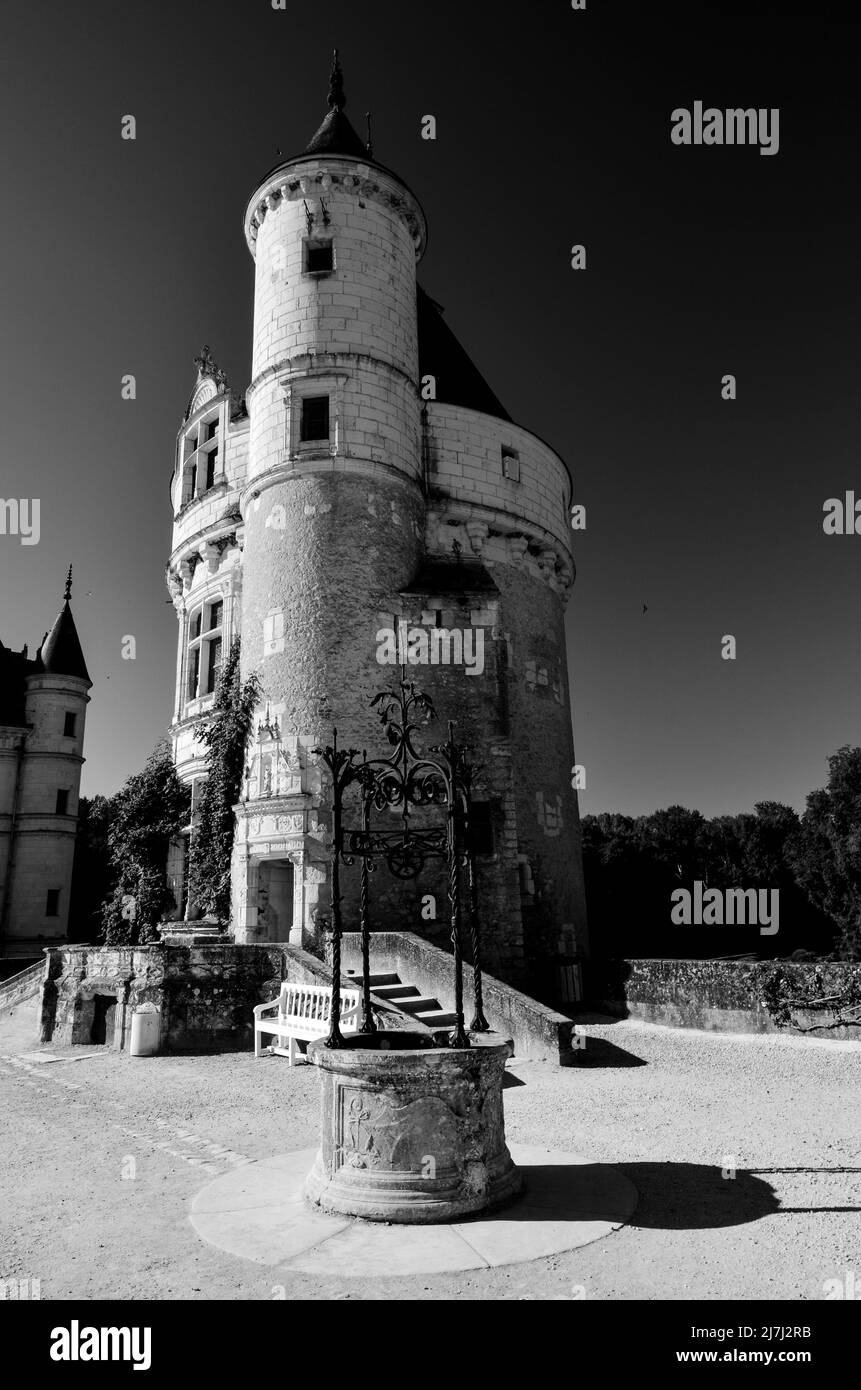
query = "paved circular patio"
x=258 y=1212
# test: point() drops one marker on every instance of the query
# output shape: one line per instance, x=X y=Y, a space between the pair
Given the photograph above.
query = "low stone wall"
x=26 y=984
x=536 y=1030
x=722 y=996
x=205 y=992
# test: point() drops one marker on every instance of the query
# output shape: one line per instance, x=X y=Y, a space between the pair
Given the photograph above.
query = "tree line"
x=632 y=864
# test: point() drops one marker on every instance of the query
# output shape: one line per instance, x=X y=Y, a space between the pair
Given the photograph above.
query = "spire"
x=336 y=135
x=337 y=98
x=60 y=653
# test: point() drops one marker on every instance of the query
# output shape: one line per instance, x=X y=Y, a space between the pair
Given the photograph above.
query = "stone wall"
x=723 y=996
x=206 y=994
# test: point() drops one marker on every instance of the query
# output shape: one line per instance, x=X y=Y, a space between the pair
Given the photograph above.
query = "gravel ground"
x=665 y=1106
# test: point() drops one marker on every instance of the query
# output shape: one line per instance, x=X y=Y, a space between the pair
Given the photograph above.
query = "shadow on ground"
x=673 y=1196
x=598 y=1052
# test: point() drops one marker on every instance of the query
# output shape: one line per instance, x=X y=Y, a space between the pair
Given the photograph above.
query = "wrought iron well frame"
x=406 y=779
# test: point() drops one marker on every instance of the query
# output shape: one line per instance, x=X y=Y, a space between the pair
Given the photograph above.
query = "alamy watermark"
x=710 y=126
x=718 y=907
x=76 y=1343
x=21 y=517
x=412 y=645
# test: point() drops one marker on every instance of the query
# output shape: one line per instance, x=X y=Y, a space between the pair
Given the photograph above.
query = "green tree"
x=93 y=874
x=224 y=734
x=825 y=851
x=147 y=813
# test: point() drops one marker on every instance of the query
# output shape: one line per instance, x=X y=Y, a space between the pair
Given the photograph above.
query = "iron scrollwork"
x=405 y=780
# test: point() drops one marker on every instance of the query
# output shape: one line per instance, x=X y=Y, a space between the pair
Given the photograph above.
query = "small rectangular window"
x=195 y=624
x=62 y=807
x=319 y=258
x=511 y=463
x=211 y=462
x=69 y=721
x=213 y=667
x=215 y=612
x=211 y=429
x=52 y=903
x=315 y=418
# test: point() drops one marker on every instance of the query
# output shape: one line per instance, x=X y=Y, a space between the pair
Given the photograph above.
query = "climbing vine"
x=147 y=812
x=224 y=733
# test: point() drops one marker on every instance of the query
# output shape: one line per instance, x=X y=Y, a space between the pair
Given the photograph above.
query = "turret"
x=35 y=898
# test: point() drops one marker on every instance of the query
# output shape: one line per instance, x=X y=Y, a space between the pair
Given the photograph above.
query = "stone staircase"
x=25 y=985
x=390 y=988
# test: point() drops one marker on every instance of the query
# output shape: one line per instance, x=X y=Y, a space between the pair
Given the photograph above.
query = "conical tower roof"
x=61 y=653
x=336 y=135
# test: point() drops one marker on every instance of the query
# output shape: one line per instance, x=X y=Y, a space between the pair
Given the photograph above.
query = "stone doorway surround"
x=278 y=830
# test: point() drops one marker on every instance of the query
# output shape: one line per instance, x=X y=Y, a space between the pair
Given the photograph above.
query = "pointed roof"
x=60 y=653
x=336 y=135
x=458 y=380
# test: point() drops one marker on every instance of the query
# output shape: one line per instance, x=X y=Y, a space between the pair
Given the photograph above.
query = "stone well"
x=412 y=1132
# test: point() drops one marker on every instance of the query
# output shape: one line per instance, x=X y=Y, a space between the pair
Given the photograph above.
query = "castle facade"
x=369 y=506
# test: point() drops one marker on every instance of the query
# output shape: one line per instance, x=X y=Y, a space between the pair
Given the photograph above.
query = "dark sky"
x=553 y=128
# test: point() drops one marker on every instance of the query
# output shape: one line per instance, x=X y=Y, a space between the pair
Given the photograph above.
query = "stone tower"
x=43 y=706
x=376 y=506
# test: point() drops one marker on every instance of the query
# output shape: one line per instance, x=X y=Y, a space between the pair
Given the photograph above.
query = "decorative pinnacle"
x=207 y=366
x=337 y=98
x=68 y=594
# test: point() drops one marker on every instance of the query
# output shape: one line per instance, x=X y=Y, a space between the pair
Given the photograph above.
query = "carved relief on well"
x=376 y=1132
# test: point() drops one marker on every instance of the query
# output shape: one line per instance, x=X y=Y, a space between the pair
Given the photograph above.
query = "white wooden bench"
x=301 y=1012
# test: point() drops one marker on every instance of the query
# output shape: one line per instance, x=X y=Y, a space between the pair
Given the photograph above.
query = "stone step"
x=396 y=993
x=418 y=1003
x=438 y=1018
x=374 y=980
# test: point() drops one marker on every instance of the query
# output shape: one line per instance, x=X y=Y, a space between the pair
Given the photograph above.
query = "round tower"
x=333 y=507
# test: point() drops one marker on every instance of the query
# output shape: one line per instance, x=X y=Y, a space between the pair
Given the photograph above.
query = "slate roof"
x=14 y=669
x=61 y=653
x=458 y=380
x=336 y=136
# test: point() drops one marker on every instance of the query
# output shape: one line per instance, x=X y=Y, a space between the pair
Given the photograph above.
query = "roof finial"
x=369 y=142
x=68 y=594
x=336 y=99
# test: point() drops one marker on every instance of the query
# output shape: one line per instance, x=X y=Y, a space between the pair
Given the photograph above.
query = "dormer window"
x=318 y=256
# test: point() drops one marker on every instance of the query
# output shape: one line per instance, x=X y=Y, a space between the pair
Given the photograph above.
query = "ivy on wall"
x=224 y=734
x=148 y=811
